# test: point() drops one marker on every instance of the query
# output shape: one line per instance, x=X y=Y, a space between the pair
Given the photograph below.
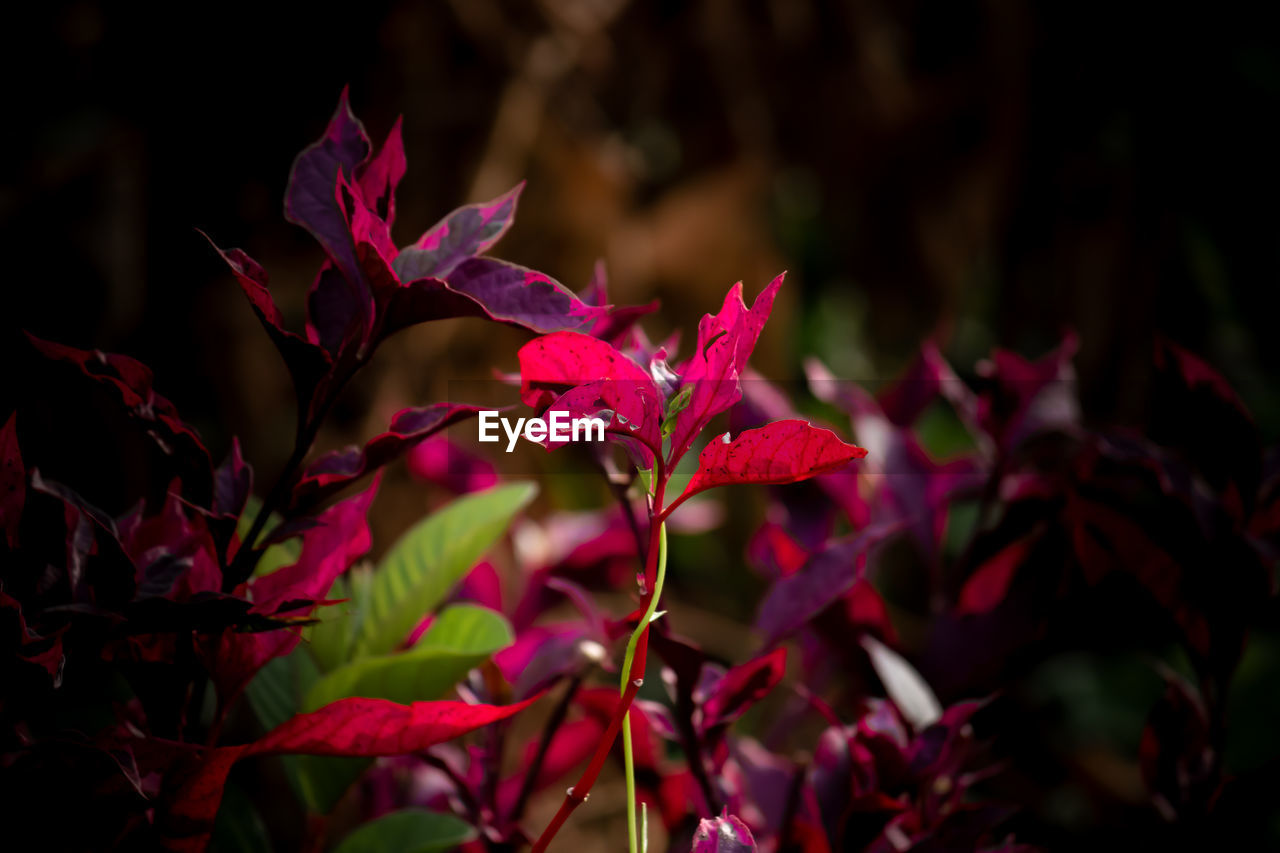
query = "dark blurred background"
x=982 y=173
x=985 y=173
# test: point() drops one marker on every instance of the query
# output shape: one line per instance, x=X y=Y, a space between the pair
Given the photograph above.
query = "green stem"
x=628 y=759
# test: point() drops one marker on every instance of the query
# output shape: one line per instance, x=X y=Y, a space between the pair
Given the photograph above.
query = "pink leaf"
x=781 y=452
x=380 y=176
x=725 y=342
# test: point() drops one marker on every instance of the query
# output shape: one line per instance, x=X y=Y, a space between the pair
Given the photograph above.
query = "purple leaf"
x=311 y=199
x=232 y=483
x=334 y=471
x=794 y=600
x=522 y=297
x=465 y=233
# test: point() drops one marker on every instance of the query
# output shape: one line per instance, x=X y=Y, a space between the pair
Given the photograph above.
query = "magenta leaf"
x=465 y=233
x=380 y=176
x=446 y=463
x=781 y=452
x=348 y=727
x=555 y=363
x=600 y=382
x=311 y=198
x=13 y=481
x=725 y=343
x=724 y=834
x=742 y=687
x=334 y=471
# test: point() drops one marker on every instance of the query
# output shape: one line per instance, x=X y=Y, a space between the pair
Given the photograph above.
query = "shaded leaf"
x=408 y=831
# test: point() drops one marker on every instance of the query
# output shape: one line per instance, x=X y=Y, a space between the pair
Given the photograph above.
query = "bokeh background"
x=979 y=173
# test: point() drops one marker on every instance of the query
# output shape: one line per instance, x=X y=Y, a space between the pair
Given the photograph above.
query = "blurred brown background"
x=986 y=173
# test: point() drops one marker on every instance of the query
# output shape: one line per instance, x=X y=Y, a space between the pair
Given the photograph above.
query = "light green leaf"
x=459 y=639
x=408 y=831
x=425 y=564
x=332 y=639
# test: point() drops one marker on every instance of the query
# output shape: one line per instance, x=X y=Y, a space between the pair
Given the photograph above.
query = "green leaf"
x=332 y=639
x=275 y=691
x=425 y=564
x=238 y=826
x=408 y=831
x=459 y=639
x=279 y=555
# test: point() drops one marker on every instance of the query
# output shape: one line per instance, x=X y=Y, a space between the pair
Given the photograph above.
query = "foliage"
x=857 y=720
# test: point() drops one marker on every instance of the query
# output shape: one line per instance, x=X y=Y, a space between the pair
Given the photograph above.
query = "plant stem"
x=628 y=759
x=638 y=650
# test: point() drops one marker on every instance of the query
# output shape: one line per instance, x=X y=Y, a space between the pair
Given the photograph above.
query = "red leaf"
x=349 y=727
x=782 y=452
x=986 y=587
x=725 y=342
x=742 y=687
x=13 y=481
x=597 y=378
x=554 y=363
x=329 y=549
